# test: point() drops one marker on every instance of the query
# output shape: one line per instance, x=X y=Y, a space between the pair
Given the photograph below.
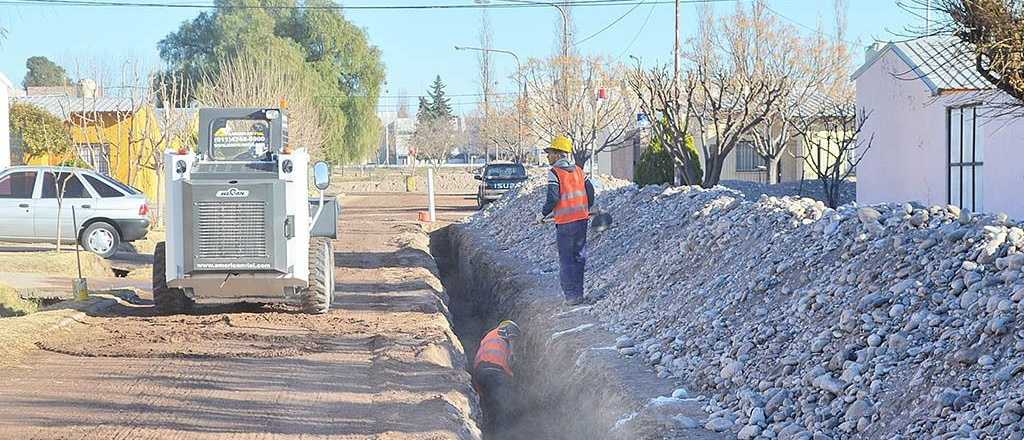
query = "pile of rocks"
x=807 y=188
x=796 y=321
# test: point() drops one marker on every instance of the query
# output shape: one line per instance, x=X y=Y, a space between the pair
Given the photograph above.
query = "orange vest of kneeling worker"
x=495 y=351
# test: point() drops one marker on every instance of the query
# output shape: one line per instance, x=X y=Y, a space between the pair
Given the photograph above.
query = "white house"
x=940 y=136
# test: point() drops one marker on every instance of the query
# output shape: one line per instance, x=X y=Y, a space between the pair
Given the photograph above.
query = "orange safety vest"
x=494 y=350
x=572 y=204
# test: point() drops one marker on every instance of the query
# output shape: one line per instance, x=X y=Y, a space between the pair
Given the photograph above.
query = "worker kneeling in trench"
x=492 y=370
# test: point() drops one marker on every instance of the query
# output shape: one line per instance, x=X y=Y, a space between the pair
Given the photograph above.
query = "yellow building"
x=113 y=135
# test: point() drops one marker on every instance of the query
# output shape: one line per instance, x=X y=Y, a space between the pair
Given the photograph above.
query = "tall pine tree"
x=438 y=104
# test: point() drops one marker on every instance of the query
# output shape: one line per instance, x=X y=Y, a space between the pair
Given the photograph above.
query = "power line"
x=812 y=29
x=637 y=36
x=613 y=23
x=187 y=5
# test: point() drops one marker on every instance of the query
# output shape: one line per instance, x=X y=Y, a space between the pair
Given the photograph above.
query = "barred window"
x=747 y=158
x=97 y=156
x=965 y=159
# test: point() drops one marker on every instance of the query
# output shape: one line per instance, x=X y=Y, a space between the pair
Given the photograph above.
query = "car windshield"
x=240 y=139
x=510 y=171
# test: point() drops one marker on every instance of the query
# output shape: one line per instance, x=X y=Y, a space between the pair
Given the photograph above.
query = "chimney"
x=89 y=88
x=872 y=50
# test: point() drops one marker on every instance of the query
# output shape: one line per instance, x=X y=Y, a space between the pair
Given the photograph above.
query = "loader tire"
x=320 y=293
x=168 y=300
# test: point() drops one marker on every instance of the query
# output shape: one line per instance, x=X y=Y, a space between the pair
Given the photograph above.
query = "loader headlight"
x=286 y=166
x=180 y=167
x=271 y=114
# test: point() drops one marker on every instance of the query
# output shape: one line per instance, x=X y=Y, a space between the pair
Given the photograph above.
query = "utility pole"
x=675 y=69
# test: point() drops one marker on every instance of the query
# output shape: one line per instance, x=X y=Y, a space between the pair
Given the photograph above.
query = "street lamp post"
x=519 y=79
x=565 y=20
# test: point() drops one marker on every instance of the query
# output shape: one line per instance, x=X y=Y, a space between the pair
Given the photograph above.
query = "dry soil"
x=383 y=364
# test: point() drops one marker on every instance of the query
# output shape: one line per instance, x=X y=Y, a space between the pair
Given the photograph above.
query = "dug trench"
x=570 y=382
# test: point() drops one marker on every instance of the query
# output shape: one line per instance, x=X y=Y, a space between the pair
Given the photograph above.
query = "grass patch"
x=54 y=263
x=148 y=244
x=11 y=304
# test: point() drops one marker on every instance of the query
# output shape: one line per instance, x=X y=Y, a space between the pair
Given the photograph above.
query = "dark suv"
x=496 y=178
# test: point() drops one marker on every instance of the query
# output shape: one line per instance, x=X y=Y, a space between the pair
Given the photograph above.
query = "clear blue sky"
x=416 y=44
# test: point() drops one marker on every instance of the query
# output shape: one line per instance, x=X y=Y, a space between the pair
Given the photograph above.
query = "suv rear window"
x=17 y=185
x=103 y=189
x=510 y=171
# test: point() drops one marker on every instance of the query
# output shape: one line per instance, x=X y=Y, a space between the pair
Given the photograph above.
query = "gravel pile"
x=795 y=321
x=807 y=188
x=458 y=182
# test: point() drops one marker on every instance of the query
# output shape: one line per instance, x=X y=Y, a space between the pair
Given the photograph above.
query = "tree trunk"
x=773 y=170
x=60 y=212
x=712 y=170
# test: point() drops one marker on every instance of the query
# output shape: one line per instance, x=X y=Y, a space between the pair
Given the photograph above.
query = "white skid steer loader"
x=240 y=224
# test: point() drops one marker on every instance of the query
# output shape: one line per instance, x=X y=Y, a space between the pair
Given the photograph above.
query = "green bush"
x=655 y=166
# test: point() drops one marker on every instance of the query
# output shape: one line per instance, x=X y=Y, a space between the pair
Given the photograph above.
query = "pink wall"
x=907 y=160
x=1004 y=166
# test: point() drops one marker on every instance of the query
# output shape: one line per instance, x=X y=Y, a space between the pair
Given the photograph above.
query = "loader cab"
x=242 y=135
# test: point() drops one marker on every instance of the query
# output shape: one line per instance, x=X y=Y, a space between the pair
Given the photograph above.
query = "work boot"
x=572 y=302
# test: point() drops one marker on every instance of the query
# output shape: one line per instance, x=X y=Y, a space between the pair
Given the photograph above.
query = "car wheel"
x=101 y=239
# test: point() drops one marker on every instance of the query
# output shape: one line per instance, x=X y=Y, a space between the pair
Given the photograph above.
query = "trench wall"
x=571 y=382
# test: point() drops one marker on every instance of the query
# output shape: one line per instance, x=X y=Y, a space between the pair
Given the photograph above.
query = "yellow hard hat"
x=561 y=143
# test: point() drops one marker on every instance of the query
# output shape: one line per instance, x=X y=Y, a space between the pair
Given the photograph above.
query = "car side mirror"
x=321 y=175
x=478 y=177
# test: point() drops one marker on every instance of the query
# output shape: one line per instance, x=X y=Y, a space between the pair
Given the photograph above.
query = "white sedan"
x=108 y=212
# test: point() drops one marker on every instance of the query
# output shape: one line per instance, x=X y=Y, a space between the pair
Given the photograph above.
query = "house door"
x=965 y=159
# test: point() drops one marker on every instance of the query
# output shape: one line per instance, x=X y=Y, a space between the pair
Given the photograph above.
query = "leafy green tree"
x=655 y=166
x=39 y=132
x=43 y=72
x=349 y=68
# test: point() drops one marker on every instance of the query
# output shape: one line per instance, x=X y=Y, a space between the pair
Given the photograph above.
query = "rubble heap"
x=796 y=321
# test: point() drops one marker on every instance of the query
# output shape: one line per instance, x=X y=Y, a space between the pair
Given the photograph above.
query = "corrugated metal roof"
x=943 y=63
x=179 y=120
x=64 y=106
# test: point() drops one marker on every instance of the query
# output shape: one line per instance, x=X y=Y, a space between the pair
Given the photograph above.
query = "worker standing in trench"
x=570 y=197
x=492 y=369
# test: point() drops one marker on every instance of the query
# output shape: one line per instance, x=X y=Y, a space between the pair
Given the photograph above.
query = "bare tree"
x=586 y=99
x=507 y=129
x=741 y=69
x=821 y=68
x=485 y=61
x=262 y=80
x=435 y=139
x=403 y=104
x=834 y=144
x=664 y=106
x=993 y=31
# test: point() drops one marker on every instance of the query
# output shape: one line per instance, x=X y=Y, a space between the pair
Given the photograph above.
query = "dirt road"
x=383 y=364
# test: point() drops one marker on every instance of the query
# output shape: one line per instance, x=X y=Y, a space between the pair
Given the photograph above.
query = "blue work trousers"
x=572 y=257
